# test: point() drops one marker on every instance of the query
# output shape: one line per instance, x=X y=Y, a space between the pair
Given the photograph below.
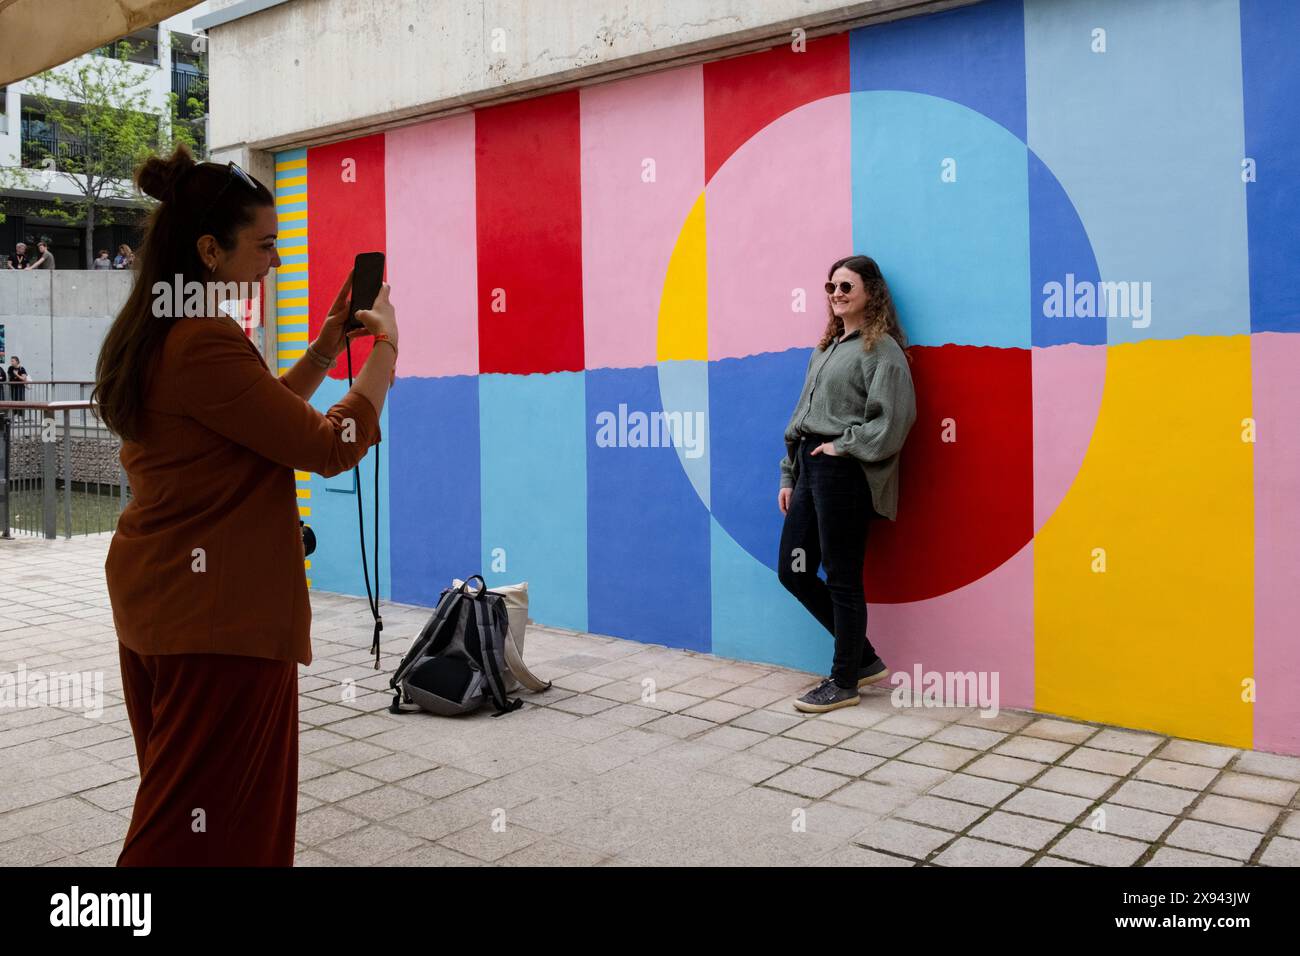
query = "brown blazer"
x=213 y=469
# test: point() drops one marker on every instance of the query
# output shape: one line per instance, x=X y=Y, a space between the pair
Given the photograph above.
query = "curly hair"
x=882 y=318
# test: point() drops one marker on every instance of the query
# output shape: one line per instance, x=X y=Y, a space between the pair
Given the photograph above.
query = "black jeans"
x=826 y=523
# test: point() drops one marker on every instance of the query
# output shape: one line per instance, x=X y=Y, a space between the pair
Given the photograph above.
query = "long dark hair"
x=192 y=196
x=882 y=318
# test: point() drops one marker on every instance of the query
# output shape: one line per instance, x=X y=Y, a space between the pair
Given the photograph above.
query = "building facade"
x=613 y=214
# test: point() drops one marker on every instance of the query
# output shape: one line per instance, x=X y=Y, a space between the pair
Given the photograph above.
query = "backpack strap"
x=515 y=661
x=492 y=650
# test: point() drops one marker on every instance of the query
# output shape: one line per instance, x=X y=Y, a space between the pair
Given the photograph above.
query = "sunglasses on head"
x=844 y=287
x=233 y=173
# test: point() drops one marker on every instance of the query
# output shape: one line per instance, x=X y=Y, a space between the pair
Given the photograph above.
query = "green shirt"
x=867 y=399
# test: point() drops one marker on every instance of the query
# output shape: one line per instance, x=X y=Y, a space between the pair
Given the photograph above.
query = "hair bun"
x=158 y=177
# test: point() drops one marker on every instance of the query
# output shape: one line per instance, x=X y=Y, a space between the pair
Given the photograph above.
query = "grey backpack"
x=458 y=661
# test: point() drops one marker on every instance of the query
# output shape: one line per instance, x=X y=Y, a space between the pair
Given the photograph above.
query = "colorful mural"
x=608 y=296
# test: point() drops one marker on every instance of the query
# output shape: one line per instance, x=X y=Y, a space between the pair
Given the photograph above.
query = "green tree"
x=95 y=126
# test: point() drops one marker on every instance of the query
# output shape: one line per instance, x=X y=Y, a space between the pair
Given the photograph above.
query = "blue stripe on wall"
x=647 y=530
x=436 y=506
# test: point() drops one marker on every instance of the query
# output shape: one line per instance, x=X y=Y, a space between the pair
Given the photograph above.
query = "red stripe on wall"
x=966 y=475
x=529 y=209
x=745 y=93
x=345 y=216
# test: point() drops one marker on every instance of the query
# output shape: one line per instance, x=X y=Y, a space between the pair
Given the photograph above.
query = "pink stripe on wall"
x=779 y=211
x=432 y=258
x=629 y=226
x=1275 y=372
x=986 y=626
x=1067 y=384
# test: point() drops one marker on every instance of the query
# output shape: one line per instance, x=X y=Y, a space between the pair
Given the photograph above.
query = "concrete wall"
x=55 y=321
x=304 y=71
x=1101 y=508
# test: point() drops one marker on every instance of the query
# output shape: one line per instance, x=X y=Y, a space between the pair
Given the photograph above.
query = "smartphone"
x=367 y=277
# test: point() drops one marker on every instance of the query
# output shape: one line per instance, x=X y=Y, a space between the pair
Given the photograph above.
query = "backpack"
x=459 y=660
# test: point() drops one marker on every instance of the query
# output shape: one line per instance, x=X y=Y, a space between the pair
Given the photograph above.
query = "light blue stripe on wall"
x=1147 y=140
x=533 y=481
x=955 y=253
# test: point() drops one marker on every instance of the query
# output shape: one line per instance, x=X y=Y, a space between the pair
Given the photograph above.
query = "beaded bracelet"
x=319 y=360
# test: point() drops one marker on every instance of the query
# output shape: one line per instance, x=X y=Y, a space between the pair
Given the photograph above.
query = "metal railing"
x=61 y=471
x=186 y=84
x=55 y=390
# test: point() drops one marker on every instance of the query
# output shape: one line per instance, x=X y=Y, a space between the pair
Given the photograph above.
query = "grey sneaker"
x=872 y=673
x=827 y=695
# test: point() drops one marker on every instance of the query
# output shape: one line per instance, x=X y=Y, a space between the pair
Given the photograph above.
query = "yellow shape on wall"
x=684 y=305
x=1164 y=636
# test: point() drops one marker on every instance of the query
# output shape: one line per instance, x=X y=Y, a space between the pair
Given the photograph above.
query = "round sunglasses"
x=844 y=287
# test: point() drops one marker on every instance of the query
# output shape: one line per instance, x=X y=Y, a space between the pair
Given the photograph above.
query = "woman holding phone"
x=841 y=469
x=205 y=571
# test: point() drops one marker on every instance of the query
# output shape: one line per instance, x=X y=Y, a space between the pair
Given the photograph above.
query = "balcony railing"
x=187 y=84
x=38 y=146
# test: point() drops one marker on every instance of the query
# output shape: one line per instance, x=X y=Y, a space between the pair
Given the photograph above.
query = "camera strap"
x=372 y=599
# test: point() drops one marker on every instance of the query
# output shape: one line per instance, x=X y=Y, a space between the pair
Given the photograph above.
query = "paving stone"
x=1026 y=832
x=880 y=744
x=1009 y=769
x=976 y=790
x=1259 y=789
x=942 y=756
x=971 y=852
x=785 y=749
x=820 y=732
x=967 y=737
x=1079 y=783
x=1176 y=774
x=1213 y=838
x=1063 y=731
x=766 y=722
x=1101 y=761
x=1269 y=765
x=750 y=767
x=1232 y=812
x=807 y=782
x=1130 y=821
x=940 y=813
x=1281 y=851
x=1099 y=849
x=910 y=725
x=909 y=775
x=849 y=763
x=1061 y=807
x=860 y=856
x=1125 y=741
x=902 y=838
x=1172 y=856
x=1152 y=796
x=1192 y=751
x=875 y=798
x=1040 y=749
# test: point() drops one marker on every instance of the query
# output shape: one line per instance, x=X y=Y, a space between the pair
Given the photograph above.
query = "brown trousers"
x=216 y=736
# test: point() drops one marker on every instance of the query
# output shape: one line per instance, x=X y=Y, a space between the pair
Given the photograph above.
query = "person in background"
x=17 y=376
x=44 y=259
x=125 y=258
x=19 y=260
x=102 y=261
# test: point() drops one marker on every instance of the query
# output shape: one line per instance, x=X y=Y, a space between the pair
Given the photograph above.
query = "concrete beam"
x=310 y=71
